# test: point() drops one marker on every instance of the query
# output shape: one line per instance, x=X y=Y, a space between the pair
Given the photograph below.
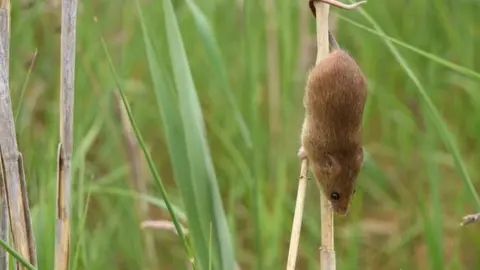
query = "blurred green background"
x=244 y=63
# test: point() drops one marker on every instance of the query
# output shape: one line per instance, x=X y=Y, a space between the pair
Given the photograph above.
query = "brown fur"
x=334 y=101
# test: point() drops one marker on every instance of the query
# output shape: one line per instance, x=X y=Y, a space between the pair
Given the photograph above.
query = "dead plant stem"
x=327 y=249
x=65 y=148
x=14 y=196
x=327 y=253
x=298 y=215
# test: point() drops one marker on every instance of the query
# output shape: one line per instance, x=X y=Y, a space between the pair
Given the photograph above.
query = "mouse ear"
x=329 y=164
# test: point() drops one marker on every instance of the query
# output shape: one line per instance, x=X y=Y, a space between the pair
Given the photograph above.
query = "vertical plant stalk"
x=68 y=39
x=327 y=259
x=4 y=69
x=327 y=250
x=14 y=196
x=26 y=205
x=298 y=215
x=137 y=179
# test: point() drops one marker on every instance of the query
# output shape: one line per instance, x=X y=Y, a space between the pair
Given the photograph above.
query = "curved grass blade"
x=434 y=113
x=177 y=147
x=151 y=165
x=458 y=68
x=17 y=255
x=198 y=152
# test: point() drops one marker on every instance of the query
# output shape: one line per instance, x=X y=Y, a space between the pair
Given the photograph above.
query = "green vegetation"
x=194 y=74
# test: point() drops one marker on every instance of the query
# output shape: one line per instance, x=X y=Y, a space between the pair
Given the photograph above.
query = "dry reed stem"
x=68 y=38
x=13 y=178
x=327 y=250
x=6 y=5
x=5 y=220
x=137 y=179
x=26 y=205
x=298 y=215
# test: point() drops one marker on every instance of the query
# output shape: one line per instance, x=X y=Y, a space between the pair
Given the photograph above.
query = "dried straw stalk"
x=13 y=187
x=4 y=90
x=327 y=249
x=298 y=215
x=68 y=40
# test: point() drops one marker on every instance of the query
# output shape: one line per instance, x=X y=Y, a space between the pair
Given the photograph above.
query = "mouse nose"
x=342 y=211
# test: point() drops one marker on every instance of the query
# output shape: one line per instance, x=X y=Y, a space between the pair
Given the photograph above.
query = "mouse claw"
x=335 y=3
x=302 y=154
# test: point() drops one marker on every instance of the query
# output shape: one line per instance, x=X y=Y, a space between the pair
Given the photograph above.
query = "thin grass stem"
x=137 y=178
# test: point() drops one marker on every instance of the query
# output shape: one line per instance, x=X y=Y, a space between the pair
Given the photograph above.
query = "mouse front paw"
x=302 y=154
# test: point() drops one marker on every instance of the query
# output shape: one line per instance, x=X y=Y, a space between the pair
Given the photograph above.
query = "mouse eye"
x=335 y=196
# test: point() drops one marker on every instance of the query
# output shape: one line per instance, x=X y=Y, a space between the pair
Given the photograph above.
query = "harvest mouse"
x=331 y=139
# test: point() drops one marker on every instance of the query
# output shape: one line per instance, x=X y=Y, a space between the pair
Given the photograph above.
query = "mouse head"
x=337 y=173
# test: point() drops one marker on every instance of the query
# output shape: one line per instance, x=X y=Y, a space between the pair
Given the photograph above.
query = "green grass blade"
x=80 y=245
x=434 y=223
x=198 y=151
x=16 y=255
x=176 y=143
x=253 y=40
x=210 y=248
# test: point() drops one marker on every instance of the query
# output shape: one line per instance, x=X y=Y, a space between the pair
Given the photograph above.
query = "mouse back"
x=334 y=101
x=334 y=83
